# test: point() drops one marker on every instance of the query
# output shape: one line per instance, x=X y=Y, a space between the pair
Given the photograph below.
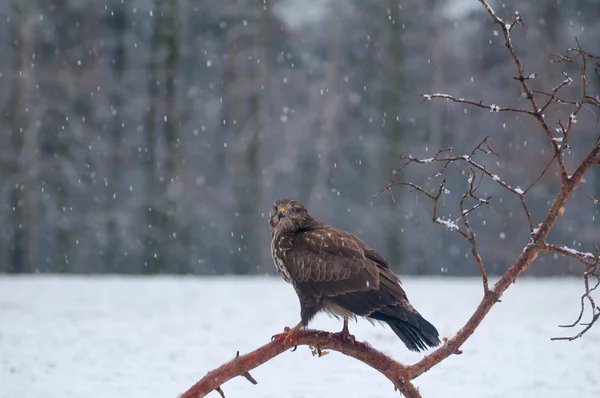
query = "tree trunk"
x=327 y=118
x=176 y=228
x=246 y=116
x=152 y=260
x=164 y=184
x=114 y=201
x=429 y=250
x=391 y=104
x=23 y=195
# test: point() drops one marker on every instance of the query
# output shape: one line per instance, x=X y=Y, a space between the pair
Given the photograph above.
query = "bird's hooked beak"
x=281 y=213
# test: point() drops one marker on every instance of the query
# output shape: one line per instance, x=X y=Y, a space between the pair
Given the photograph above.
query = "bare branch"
x=470 y=235
x=528 y=255
x=590 y=272
x=319 y=341
x=594 y=201
x=555 y=91
x=247 y=374
x=492 y=107
x=484 y=147
x=595 y=312
x=541 y=175
x=536 y=110
x=577 y=255
x=588 y=326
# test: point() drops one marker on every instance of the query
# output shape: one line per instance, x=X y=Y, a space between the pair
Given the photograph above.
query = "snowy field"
x=155 y=336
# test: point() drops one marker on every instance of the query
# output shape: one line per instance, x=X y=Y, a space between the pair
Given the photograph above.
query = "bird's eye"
x=293 y=209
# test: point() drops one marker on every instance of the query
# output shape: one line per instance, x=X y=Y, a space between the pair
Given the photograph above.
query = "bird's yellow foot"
x=288 y=335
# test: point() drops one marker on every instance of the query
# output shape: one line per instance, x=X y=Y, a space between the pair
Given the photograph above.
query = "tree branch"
x=319 y=341
x=536 y=110
x=590 y=272
x=492 y=107
x=527 y=257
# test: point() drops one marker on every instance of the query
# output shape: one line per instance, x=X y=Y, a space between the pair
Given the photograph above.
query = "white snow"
x=572 y=117
x=154 y=337
x=451 y=225
x=576 y=252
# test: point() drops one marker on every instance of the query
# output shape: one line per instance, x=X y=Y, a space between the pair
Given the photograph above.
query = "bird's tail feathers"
x=414 y=330
x=414 y=338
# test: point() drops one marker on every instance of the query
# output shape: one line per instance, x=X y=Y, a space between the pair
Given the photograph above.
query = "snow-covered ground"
x=155 y=336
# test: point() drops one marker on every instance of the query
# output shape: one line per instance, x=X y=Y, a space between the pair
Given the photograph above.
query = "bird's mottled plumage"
x=334 y=271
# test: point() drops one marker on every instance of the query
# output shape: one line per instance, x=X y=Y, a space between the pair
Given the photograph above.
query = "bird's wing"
x=338 y=268
x=328 y=262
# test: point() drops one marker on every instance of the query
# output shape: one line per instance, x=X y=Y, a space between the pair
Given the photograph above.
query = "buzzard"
x=334 y=271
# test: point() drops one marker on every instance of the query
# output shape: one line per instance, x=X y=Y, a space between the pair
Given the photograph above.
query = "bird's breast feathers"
x=279 y=246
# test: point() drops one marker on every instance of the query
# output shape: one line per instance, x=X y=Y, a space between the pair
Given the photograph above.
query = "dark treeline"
x=152 y=136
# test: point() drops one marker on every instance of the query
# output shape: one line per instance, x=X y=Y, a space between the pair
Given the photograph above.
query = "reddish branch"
x=529 y=254
x=591 y=281
x=401 y=375
x=319 y=341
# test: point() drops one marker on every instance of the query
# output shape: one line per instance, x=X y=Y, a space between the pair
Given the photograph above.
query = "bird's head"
x=288 y=215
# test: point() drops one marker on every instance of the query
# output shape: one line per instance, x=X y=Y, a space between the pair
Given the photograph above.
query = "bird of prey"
x=334 y=271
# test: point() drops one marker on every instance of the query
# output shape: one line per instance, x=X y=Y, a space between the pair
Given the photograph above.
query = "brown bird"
x=334 y=271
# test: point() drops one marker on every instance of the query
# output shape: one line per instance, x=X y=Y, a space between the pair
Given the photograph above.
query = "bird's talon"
x=292 y=340
x=278 y=336
x=344 y=337
x=288 y=335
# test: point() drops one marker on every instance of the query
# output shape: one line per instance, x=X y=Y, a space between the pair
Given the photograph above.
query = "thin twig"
x=491 y=108
x=536 y=111
x=594 y=201
x=565 y=251
x=519 y=193
x=590 y=271
x=541 y=175
x=470 y=235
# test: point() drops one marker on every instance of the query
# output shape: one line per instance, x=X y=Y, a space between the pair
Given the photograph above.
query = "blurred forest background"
x=153 y=136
